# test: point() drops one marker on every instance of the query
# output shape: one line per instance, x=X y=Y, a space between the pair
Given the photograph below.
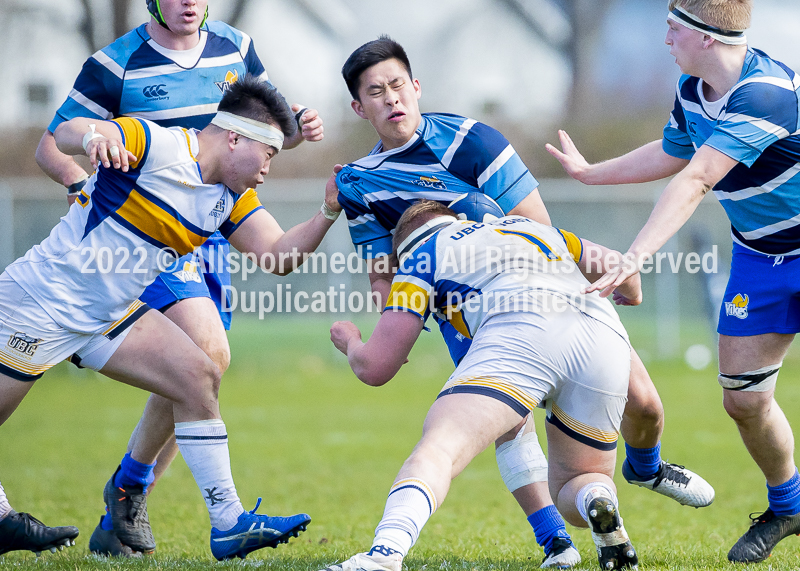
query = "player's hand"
x=342 y=332
x=310 y=124
x=332 y=191
x=615 y=276
x=629 y=292
x=573 y=162
x=109 y=152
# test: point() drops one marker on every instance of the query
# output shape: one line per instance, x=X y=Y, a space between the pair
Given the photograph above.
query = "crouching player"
x=535 y=339
x=75 y=294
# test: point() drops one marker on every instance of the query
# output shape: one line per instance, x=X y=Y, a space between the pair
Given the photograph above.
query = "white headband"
x=249 y=128
x=424 y=231
x=730 y=37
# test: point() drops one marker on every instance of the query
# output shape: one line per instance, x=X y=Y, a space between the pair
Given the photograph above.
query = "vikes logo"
x=152 y=91
x=24 y=344
x=430 y=182
x=230 y=78
x=738 y=306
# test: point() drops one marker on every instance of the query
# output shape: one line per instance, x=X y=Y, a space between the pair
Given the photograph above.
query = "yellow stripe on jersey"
x=408 y=296
x=499 y=385
x=82 y=199
x=456 y=319
x=574 y=244
x=135 y=137
x=584 y=429
x=189 y=144
x=245 y=205
x=159 y=224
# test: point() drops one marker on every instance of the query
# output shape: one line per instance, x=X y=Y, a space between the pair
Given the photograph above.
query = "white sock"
x=590 y=492
x=411 y=502
x=204 y=447
x=5 y=507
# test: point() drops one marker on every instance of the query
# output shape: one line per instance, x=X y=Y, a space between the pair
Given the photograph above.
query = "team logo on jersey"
x=737 y=307
x=155 y=92
x=189 y=273
x=430 y=182
x=230 y=78
x=348 y=177
x=219 y=209
x=23 y=343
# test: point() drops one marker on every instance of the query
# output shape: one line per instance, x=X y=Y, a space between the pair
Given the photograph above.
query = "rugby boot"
x=676 y=482
x=23 y=532
x=562 y=555
x=614 y=549
x=766 y=530
x=106 y=543
x=256 y=531
x=128 y=508
x=378 y=558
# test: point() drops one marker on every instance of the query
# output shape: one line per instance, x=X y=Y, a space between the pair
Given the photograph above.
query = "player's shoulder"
x=767 y=88
x=121 y=49
x=225 y=32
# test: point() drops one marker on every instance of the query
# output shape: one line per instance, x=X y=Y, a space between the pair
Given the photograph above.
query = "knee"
x=743 y=407
x=202 y=383
x=222 y=358
x=644 y=404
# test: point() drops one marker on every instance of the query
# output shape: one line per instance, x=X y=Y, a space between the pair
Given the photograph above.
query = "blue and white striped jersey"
x=758 y=124
x=447 y=156
x=468 y=271
x=134 y=76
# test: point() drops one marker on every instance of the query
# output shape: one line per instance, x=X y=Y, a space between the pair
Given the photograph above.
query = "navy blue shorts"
x=763 y=295
x=201 y=274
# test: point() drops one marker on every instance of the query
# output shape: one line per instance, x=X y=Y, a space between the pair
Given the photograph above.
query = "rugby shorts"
x=574 y=363
x=762 y=296
x=31 y=342
x=195 y=275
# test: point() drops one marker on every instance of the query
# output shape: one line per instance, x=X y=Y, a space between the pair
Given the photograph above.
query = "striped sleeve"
x=675 y=140
x=757 y=115
x=135 y=137
x=413 y=285
x=574 y=244
x=96 y=93
x=369 y=236
x=243 y=208
x=485 y=159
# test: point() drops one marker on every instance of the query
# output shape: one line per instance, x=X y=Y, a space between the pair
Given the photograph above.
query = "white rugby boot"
x=676 y=482
x=378 y=558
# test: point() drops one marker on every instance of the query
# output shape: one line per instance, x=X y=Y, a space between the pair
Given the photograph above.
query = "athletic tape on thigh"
x=759 y=381
x=522 y=461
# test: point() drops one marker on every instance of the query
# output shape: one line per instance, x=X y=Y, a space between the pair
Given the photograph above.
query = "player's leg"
x=177 y=369
x=642 y=425
x=749 y=368
x=457 y=428
x=523 y=467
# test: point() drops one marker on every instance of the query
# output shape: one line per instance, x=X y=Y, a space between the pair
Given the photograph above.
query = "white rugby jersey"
x=468 y=271
x=127 y=227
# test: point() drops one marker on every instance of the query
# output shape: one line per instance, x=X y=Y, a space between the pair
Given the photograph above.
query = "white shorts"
x=31 y=342
x=574 y=363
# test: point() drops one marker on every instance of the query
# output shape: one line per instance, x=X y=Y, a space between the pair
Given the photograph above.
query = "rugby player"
x=734 y=130
x=513 y=286
x=157 y=194
x=442 y=157
x=172 y=70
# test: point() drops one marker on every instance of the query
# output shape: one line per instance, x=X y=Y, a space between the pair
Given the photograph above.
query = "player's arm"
x=381 y=274
x=532 y=207
x=281 y=252
x=60 y=167
x=675 y=206
x=596 y=259
x=309 y=127
x=377 y=361
x=101 y=141
x=647 y=163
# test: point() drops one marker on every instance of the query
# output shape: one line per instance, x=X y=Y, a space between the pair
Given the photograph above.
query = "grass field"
x=307 y=436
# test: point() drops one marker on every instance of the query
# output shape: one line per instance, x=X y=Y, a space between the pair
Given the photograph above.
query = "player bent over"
x=535 y=339
x=168 y=190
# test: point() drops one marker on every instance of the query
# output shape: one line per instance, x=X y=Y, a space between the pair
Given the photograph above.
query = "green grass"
x=307 y=436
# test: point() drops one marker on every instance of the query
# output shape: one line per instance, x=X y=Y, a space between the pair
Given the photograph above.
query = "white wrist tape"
x=91 y=134
x=521 y=461
x=328 y=212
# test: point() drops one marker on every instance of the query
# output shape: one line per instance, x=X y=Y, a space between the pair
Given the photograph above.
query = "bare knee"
x=201 y=385
x=743 y=407
x=644 y=404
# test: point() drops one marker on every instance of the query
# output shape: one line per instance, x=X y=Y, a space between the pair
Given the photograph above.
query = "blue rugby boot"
x=255 y=531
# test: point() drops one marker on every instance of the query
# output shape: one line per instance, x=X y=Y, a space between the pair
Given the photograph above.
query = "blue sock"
x=785 y=499
x=133 y=473
x=105 y=523
x=548 y=524
x=644 y=461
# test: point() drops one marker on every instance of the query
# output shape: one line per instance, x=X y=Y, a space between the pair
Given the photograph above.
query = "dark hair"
x=376 y=51
x=255 y=99
x=415 y=216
